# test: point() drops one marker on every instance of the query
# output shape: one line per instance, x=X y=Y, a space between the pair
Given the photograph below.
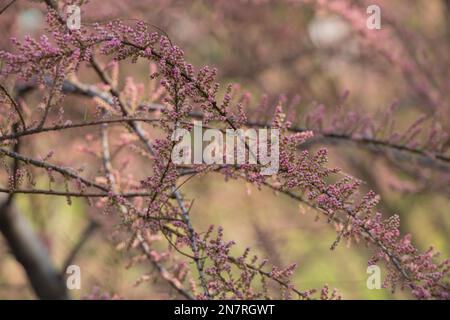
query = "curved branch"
x=91 y=91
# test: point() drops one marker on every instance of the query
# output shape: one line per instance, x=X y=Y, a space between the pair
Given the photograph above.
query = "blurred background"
x=312 y=54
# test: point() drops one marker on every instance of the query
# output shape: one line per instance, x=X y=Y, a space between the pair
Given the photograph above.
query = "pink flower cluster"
x=190 y=93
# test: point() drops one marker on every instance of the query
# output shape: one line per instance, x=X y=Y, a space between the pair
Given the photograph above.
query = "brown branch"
x=72 y=126
x=70 y=173
x=29 y=251
x=75 y=194
x=267 y=275
x=42 y=164
x=7 y=6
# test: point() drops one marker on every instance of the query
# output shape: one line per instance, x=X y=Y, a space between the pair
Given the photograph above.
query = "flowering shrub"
x=153 y=209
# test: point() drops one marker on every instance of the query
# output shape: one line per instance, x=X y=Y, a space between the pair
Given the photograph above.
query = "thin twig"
x=18 y=134
x=7 y=6
x=193 y=240
x=15 y=105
